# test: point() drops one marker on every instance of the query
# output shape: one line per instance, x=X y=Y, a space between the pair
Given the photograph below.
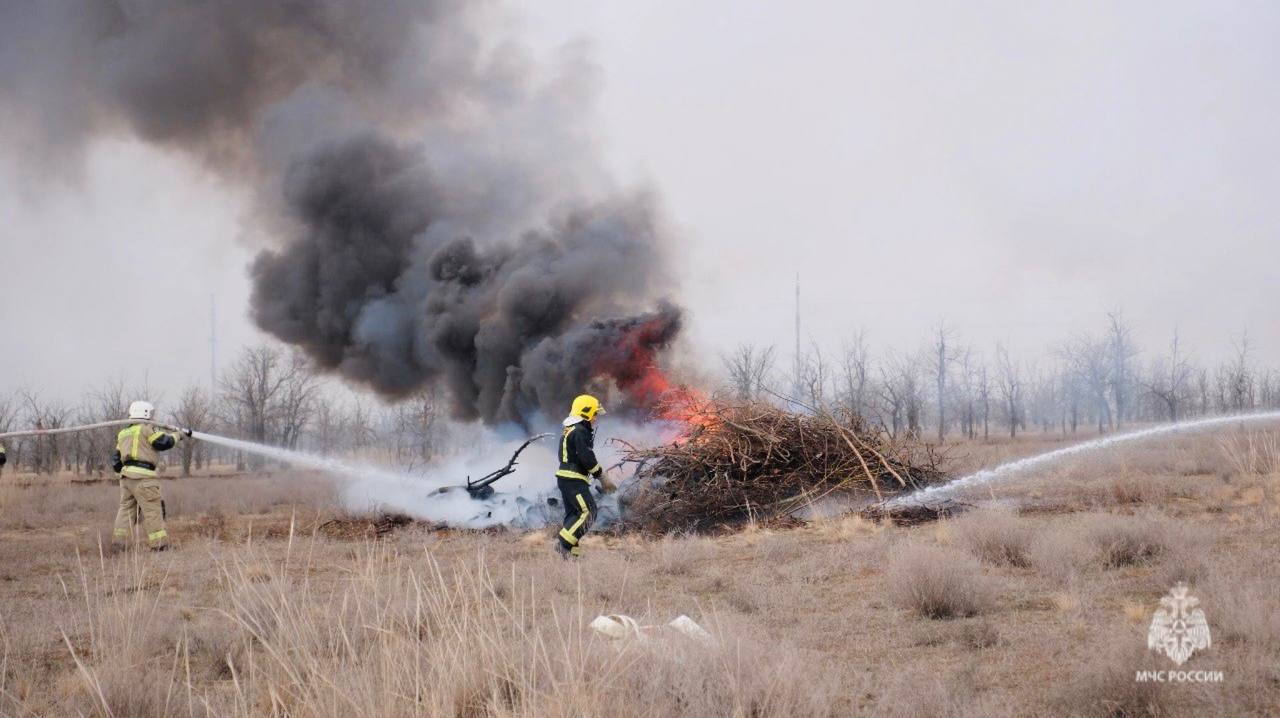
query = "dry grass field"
x=1036 y=602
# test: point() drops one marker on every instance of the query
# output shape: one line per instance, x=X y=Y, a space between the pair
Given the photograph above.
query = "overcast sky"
x=1013 y=169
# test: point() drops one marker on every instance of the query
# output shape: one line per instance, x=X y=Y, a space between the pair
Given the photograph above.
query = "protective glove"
x=186 y=433
x=607 y=486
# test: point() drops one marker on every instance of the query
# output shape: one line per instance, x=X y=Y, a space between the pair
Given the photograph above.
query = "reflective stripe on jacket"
x=577 y=451
x=138 y=448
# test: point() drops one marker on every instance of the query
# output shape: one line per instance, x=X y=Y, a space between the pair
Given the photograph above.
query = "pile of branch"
x=754 y=461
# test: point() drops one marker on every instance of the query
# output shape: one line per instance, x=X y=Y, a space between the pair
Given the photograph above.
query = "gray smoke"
x=429 y=197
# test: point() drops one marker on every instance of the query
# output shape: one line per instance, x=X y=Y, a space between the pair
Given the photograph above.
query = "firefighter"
x=578 y=466
x=137 y=452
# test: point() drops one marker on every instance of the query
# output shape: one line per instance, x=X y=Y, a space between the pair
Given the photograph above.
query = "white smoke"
x=436 y=494
x=520 y=499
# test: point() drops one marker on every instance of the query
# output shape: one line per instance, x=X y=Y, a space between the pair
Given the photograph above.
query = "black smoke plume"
x=430 y=202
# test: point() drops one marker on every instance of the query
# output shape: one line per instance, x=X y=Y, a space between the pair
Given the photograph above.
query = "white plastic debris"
x=617 y=626
x=690 y=628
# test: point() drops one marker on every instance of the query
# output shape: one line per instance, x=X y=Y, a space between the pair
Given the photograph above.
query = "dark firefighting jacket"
x=577 y=451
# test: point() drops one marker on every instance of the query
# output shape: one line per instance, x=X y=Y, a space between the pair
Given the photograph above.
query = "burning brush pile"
x=745 y=461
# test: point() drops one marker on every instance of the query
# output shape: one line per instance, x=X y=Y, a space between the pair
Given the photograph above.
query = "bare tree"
x=328 y=426
x=813 y=377
x=1045 y=392
x=253 y=389
x=941 y=361
x=748 y=368
x=418 y=428
x=969 y=393
x=1170 y=382
x=1072 y=394
x=854 y=375
x=1009 y=382
x=1269 y=389
x=298 y=394
x=1202 y=390
x=195 y=411
x=892 y=401
x=1122 y=350
x=359 y=426
x=108 y=402
x=1238 y=379
x=902 y=389
x=8 y=414
x=47 y=451
x=1089 y=360
x=984 y=397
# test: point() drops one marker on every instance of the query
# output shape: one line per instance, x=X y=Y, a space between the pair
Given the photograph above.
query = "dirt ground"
x=1036 y=602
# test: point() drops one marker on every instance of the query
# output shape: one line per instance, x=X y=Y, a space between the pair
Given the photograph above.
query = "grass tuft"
x=938 y=583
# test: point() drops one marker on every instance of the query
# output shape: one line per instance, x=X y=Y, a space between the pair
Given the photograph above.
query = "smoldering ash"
x=429 y=198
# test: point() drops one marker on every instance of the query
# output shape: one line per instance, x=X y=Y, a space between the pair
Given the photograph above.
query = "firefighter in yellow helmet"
x=578 y=466
x=137 y=452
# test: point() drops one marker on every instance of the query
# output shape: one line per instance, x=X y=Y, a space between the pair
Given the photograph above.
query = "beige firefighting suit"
x=136 y=457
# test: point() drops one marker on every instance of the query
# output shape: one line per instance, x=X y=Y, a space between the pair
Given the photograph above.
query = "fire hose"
x=84 y=427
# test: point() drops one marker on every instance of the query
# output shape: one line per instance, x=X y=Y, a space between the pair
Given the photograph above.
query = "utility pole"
x=213 y=349
x=797 y=369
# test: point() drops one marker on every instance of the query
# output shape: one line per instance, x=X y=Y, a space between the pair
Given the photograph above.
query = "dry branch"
x=744 y=461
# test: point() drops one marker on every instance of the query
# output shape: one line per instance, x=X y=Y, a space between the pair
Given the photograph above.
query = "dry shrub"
x=938 y=583
x=1135 y=488
x=211 y=646
x=1120 y=487
x=738 y=677
x=1251 y=685
x=979 y=634
x=925 y=693
x=970 y=635
x=1104 y=685
x=1187 y=558
x=1242 y=608
x=922 y=694
x=1251 y=453
x=1128 y=540
x=1061 y=555
x=679 y=555
x=1108 y=541
x=996 y=537
x=117 y=691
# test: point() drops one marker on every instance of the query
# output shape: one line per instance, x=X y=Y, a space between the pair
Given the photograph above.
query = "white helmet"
x=141 y=410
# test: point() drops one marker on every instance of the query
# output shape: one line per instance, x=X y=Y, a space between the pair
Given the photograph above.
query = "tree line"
x=270 y=395
x=1092 y=381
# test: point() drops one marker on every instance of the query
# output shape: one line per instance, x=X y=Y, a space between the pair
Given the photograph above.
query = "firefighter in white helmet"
x=137 y=453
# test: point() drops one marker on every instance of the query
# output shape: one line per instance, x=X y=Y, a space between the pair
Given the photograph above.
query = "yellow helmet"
x=587 y=407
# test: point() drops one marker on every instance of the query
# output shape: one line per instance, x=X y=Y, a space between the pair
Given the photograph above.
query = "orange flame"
x=647 y=386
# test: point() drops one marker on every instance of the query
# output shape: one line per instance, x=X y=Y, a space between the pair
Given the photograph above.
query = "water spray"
x=289 y=456
x=371 y=486
x=298 y=458
x=987 y=476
